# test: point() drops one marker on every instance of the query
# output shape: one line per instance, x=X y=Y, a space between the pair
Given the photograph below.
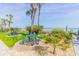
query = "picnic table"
x=34 y=38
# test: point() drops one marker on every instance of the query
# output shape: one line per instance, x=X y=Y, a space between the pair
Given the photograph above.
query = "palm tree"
x=32 y=12
x=1 y=26
x=32 y=27
x=39 y=8
x=4 y=22
x=10 y=16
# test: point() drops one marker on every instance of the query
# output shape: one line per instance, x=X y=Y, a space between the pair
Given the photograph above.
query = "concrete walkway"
x=17 y=50
x=76 y=46
x=4 y=50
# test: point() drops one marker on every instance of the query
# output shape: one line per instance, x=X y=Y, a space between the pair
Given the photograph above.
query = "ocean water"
x=69 y=29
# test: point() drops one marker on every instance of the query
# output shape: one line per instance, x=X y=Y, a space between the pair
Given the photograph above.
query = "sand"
x=25 y=50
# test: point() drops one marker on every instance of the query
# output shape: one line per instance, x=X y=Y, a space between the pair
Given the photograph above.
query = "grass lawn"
x=10 y=42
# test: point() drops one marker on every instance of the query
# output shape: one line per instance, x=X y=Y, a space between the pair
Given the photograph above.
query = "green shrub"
x=35 y=28
x=59 y=38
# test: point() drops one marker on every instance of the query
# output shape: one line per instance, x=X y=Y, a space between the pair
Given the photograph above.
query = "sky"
x=52 y=15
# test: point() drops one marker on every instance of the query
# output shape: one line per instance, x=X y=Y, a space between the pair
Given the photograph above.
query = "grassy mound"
x=10 y=42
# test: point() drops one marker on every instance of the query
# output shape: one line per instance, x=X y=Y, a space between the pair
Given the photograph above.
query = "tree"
x=67 y=40
x=3 y=23
x=59 y=38
x=1 y=27
x=10 y=16
x=39 y=9
x=31 y=12
x=28 y=28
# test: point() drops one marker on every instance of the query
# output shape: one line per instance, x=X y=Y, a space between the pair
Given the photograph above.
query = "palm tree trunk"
x=5 y=25
x=39 y=21
x=2 y=29
x=9 y=21
x=9 y=25
x=39 y=6
x=32 y=25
